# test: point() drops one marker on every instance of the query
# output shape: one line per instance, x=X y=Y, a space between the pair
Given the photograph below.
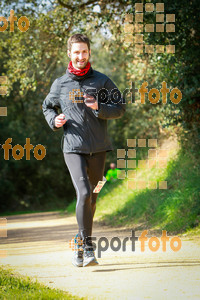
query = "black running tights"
x=85 y=170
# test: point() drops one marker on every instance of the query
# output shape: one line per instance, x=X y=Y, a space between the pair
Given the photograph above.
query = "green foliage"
x=32 y=60
x=179 y=69
x=176 y=209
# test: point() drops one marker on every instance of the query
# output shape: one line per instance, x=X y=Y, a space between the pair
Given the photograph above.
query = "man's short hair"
x=78 y=38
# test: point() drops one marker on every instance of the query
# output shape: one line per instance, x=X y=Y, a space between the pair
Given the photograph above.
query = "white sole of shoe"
x=74 y=263
x=91 y=263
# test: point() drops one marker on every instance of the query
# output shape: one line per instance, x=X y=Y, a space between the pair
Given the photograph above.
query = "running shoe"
x=89 y=258
x=77 y=258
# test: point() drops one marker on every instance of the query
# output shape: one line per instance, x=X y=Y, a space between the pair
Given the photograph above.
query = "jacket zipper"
x=85 y=112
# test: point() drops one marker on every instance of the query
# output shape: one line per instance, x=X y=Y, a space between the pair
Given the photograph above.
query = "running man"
x=87 y=99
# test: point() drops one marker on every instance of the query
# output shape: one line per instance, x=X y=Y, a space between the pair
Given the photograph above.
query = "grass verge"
x=175 y=209
x=13 y=286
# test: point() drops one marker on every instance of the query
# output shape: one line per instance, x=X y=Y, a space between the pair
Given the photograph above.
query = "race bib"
x=99 y=186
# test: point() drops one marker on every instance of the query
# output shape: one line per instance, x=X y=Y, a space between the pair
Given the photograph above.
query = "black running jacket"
x=86 y=129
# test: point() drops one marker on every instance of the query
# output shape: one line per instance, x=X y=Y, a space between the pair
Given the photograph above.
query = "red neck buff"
x=81 y=72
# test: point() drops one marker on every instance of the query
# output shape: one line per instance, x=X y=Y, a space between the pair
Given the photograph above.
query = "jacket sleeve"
x=108 y=177
x=51 y=104
x=111 y=107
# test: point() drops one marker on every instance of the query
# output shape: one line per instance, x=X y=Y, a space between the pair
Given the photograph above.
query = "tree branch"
x=79 y=6
x=88 y=3
x=65 y=5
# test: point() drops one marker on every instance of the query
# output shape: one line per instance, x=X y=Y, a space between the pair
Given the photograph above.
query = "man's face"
x=112 y=166
x=79 y=55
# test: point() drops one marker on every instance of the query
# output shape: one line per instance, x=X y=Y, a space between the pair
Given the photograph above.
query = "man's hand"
x=60 y=120
x=91 y=102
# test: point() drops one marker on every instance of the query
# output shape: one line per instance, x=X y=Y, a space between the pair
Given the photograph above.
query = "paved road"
x=37 y=245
